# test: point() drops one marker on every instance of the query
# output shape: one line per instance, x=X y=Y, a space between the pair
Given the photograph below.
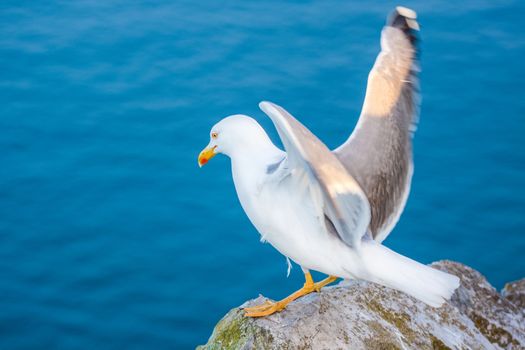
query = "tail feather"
x=393 y=270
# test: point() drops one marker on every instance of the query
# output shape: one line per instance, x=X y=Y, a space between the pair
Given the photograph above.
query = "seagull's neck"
x=250 y=165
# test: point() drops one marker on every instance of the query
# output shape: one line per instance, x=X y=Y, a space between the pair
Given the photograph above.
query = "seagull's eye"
x=214 y=135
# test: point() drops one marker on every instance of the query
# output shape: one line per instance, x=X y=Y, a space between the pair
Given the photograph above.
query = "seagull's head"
x=233 y=134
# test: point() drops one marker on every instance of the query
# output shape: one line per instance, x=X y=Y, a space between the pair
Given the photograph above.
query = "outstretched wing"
x=342 y=200
x=378 y=154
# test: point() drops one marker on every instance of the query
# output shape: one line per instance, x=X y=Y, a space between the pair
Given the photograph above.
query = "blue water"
x=111 y=236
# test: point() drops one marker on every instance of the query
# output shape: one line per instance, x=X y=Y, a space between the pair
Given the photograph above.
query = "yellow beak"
x=206 y=154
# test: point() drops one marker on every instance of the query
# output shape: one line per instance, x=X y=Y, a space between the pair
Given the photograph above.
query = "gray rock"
x=498 y=319
x=515 y=293
x=362 y=315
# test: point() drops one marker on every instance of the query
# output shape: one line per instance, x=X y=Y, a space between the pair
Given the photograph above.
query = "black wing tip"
x=405 y=19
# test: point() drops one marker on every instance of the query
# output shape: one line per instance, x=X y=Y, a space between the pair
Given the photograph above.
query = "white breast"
x=291 y=225
x=288 y=220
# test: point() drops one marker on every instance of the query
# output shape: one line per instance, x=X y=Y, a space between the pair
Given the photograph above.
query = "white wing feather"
x=340 y=196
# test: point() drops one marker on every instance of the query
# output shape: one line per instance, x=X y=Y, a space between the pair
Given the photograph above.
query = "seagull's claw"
x=265 y=309
x=269 y=307
x=263 y=306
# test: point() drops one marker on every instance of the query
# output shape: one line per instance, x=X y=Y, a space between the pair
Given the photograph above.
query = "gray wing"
x=340 y=197
x=378 y=154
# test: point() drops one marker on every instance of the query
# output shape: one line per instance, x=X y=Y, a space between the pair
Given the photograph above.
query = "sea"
x=111 y=237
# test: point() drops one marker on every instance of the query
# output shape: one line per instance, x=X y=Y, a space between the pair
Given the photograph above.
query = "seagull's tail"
x=393 y=270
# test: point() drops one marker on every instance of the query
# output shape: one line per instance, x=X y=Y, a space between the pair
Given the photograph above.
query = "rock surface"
x=361 y=315
x=515 y=293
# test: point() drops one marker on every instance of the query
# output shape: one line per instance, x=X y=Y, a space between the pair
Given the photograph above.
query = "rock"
x=362 y=315
x=496 y=317
x=515 y=293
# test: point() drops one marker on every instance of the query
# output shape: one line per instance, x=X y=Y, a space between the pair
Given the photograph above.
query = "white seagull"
x=330 y=211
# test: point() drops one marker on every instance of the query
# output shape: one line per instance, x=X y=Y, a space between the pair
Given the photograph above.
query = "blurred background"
x=111 y=237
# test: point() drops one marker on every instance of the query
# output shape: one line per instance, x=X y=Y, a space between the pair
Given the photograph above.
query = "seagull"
x=329 y=211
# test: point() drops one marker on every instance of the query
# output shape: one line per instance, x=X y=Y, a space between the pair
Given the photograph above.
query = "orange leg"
x=321 y=284
x=269 y=307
